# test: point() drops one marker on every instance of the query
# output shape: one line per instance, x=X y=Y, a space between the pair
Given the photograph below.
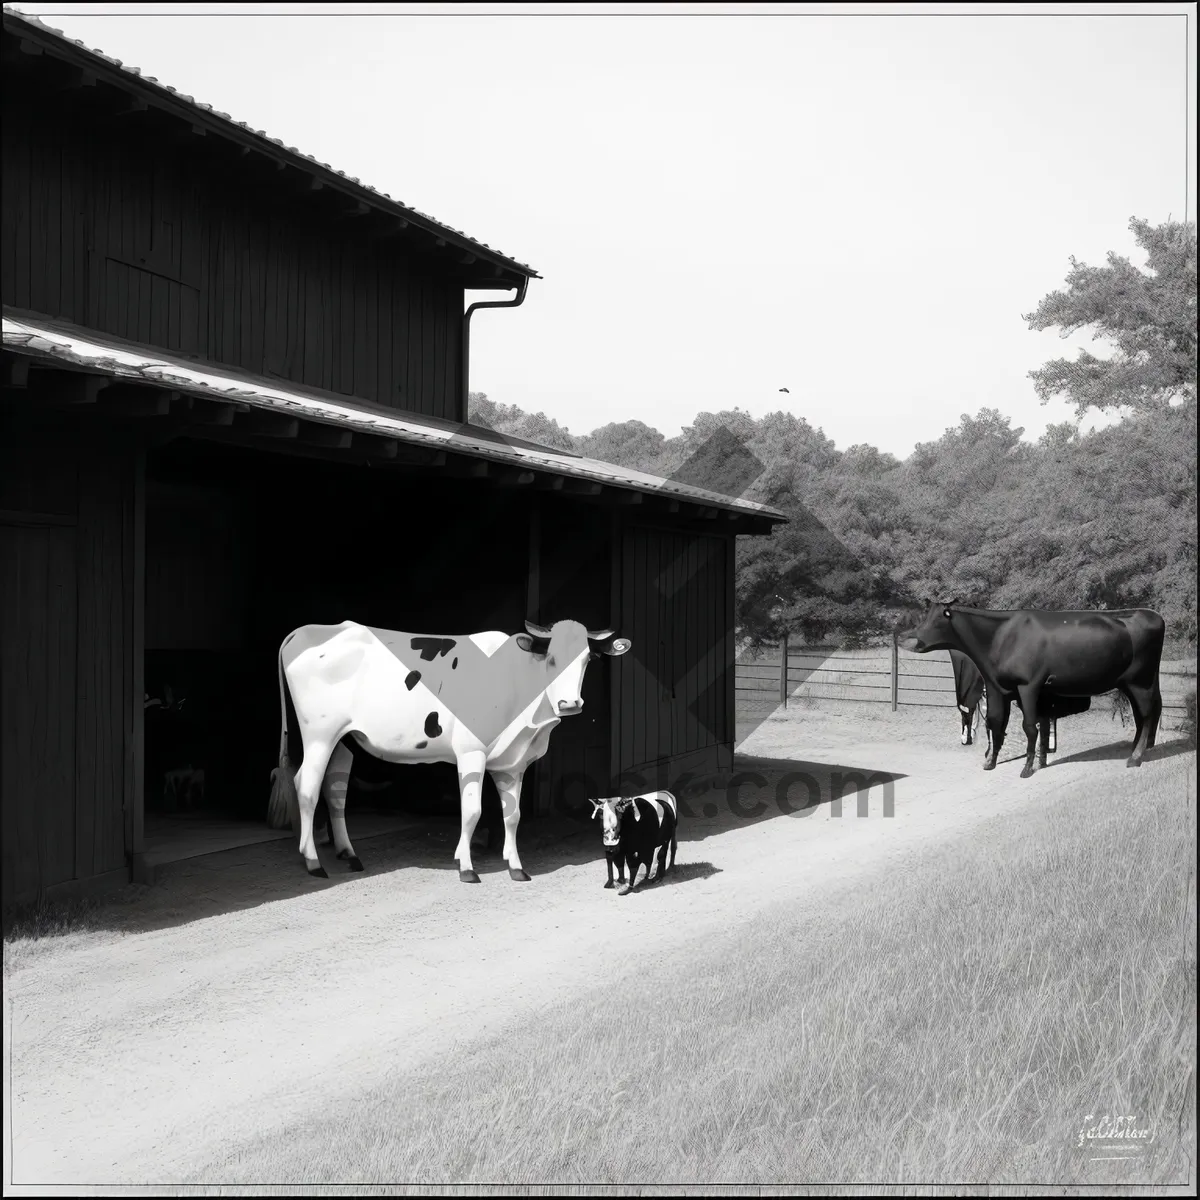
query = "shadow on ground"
x=757 y=789
x=1121 y=750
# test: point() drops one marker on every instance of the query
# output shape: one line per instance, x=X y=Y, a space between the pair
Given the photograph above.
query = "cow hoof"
x=989 y=765
x=1133 y=762
x=318 y=872
x=610 y=884
x=518 y=875
x=625 y=891
x=468 y=877
x=355 y=863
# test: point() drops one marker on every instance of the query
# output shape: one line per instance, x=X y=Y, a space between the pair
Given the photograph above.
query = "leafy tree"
x=1149 y=316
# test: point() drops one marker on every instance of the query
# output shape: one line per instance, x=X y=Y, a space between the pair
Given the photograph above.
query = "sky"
x=852 y=203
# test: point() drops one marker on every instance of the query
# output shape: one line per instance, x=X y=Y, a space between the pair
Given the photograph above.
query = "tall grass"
x=954 y=1024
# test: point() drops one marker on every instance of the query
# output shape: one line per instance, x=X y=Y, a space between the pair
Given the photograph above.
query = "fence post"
x=783 y=671
x=895 y=669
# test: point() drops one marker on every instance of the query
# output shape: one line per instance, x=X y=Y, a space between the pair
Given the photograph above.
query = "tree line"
x=1100 y=519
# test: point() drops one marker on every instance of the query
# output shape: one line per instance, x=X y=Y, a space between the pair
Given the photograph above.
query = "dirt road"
x=239 y=996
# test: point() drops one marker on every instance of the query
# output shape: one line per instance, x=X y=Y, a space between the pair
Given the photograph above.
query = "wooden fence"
x=886 y=675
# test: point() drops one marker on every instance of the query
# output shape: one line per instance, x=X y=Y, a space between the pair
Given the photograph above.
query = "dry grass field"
x=949 y=996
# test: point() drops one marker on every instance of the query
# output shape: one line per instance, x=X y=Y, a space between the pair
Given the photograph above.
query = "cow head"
x=565 y=649
x=935 y=631
x=612 y=809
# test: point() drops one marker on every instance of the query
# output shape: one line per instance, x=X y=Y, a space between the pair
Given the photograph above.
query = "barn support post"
x=783 y=671
x=895 y=669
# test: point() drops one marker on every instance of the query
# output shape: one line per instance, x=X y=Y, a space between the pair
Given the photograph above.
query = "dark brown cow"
x=1037 y=657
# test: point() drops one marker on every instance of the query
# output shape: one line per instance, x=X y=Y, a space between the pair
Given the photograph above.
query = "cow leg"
x=1146 y=703
x=966 y=725
x=1052 y=745
x=1155 y=714
x=634 y=863
x=997 y=721
x=1043 y=741
x=1029 y=723
x=608 y=863
x=308 y=790
x=470 y=785
x=337 y=779
x=508 y=784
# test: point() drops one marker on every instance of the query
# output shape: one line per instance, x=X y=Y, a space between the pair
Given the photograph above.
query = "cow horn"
x=600 y=635
x=597 y=805
x=537 y=631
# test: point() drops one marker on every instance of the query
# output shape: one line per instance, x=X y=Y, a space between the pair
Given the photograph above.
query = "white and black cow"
x=635 y=828
x=483 y=701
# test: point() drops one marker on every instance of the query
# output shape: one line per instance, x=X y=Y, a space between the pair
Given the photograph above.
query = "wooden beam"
x=515 y=476
x=377 y=447
x=582 y=487
x=550 y=483
x=315 y=185
x=210 y=412
x=466 y=259
x=67 y=387
x=16 y=372
x=76 y=79
x=623 y=496
x=30 y=48
x=326 y=435
x=267 y=424
x=130 y=104
x=126 y=401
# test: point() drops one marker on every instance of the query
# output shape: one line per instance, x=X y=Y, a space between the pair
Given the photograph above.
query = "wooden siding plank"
x=440 y=344
x=51 y=171
x=38 y=224
x=385 y=387
x=428 y=347
x=361 y=380
x=160 y=328
x=370 y=360
x=328 y=325
x=412 y=388
x=629 y=712
x=23 y=183
x=398 y=397
x=345 y=310
x=11 y=205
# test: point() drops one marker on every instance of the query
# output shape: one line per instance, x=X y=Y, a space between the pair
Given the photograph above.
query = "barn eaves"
x=120 y=92
x=169 y=396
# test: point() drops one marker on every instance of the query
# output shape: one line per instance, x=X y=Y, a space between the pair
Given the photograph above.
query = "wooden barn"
x=234 y=402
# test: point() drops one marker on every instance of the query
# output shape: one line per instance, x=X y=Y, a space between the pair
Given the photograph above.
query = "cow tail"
x=283 y=809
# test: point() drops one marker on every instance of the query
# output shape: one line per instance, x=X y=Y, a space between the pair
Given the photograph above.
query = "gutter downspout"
x=466 y=335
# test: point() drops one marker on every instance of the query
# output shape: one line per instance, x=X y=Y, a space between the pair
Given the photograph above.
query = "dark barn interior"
x=243 y=547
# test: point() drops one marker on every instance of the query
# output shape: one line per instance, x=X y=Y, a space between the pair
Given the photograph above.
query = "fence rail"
x=887 y=674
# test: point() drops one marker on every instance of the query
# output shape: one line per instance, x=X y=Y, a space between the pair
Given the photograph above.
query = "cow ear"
x=532 y=645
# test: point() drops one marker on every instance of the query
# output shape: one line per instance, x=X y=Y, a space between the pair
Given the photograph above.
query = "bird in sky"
x=785 y=390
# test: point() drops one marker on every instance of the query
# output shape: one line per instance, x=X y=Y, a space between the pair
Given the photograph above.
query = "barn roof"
x=191 y=390
x=38 y=37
